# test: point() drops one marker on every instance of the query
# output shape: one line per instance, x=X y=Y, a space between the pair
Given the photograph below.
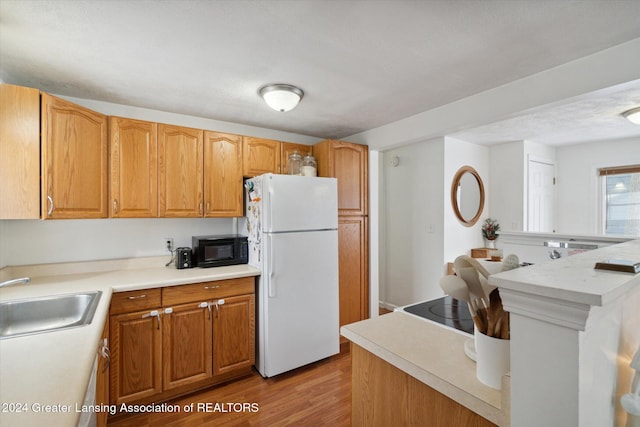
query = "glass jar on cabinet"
x=309 y=166
x=295 y=163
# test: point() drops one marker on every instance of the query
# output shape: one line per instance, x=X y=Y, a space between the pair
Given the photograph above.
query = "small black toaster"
x=183 y=258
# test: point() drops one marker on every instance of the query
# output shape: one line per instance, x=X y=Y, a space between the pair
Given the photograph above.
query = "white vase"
x=493 y=360
x=490 y=244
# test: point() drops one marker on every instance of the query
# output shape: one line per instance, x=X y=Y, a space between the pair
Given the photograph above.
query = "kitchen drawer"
x=206 y=291
x=127 y=302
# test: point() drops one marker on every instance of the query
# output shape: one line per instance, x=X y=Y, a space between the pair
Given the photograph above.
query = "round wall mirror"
x=467 y=195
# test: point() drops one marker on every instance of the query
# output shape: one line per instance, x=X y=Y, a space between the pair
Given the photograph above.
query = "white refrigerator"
x=292 y=224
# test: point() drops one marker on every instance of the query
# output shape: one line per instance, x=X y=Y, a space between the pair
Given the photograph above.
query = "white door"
x=295 y=203
x=541 y=197
x=299 y=295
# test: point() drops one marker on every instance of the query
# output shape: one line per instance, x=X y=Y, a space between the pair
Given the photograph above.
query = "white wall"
x=412 y=223
x=41 y=242
x=459 y=239
x=577 y=189
x=420 y=232
x=507 y=185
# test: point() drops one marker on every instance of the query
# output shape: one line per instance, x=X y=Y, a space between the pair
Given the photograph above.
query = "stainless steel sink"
x=47 y=314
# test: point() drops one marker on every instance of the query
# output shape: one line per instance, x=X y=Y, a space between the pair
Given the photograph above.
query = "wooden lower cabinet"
x=136 y=357
x=201 y=335
x=383 y=395
x=234 y=334
x=186 y=345
x=353 y=269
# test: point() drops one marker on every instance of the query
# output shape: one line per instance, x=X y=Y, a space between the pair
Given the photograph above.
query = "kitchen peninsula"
x=573 y=333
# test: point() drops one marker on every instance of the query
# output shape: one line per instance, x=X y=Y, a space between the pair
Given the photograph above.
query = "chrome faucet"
x=15 y=282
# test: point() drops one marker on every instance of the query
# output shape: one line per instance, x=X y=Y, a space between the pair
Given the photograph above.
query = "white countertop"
x=574 y=278
x=54 y=368
x=430 y=353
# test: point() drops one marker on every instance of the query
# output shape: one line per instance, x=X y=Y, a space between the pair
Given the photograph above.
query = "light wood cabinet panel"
x=207 y=291
x=383 y=395
x=353 y=269
x=287 y=148
x=134 y=168
x=223 y=189
x=180 y=171
x=19 y=152
x=136 y=357
x=74 y=161
x=187 y=346
x=127 y=302
x=234 y=334
x=350 y=164
x=260 y=156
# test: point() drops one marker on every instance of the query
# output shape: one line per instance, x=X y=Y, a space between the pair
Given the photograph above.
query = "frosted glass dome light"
x=281 y=97
x=633 y=115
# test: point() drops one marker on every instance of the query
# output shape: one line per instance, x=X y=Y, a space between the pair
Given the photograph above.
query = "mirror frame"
x=454 y=200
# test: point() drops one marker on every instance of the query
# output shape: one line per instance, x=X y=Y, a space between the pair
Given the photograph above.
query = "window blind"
x=619 y=170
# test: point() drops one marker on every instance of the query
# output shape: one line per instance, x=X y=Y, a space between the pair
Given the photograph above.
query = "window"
x=621 y=200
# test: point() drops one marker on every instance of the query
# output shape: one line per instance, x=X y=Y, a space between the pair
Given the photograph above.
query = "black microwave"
x=218 y=251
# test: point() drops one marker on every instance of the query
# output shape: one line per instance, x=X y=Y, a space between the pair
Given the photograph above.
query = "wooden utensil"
x=457 y=288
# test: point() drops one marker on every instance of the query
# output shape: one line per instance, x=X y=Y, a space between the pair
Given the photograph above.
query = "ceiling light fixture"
x=633 y=115
x=281 y=97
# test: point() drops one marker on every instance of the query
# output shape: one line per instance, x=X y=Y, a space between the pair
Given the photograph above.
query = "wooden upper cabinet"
x=180 y=171
x=223 y=189
x=74 y=160
x=19 y=152
x=286 y=149
x=349 y=163
x=260 y=156
x=134 y=168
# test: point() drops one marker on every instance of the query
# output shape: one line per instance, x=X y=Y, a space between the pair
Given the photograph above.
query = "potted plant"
x=490 y=230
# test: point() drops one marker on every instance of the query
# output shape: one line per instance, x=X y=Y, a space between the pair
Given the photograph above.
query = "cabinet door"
x=350 y=164
x=223 y=189
x=180 y=171
x=136 y=357
x=19 y=152
x=234 y=334
x=74 y=160
x=286 y=149
x=353 y=269
x=260 y=156
x=187 y=347
x=134 y=168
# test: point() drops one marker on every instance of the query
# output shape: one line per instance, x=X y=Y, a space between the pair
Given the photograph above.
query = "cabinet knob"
x=115 y=206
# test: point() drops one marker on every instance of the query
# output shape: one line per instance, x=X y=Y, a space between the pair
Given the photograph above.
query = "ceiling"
x=362 y=64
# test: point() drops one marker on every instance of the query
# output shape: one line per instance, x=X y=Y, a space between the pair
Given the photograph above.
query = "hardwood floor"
x=315 y=395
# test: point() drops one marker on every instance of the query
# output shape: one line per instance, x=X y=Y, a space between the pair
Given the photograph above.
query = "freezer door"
x=299 y=300
x=296 y=203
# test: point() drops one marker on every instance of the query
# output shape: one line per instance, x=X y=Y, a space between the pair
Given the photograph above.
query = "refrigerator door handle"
x=269 y=226
x=272 y=289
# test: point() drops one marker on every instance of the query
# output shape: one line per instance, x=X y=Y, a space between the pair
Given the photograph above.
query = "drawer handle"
x=138 y=296
x=212 y=287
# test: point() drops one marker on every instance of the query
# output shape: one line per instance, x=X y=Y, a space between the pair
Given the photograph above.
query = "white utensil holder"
x=492 y=359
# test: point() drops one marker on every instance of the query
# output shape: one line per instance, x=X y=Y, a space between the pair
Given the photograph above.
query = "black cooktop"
x=446 y=311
